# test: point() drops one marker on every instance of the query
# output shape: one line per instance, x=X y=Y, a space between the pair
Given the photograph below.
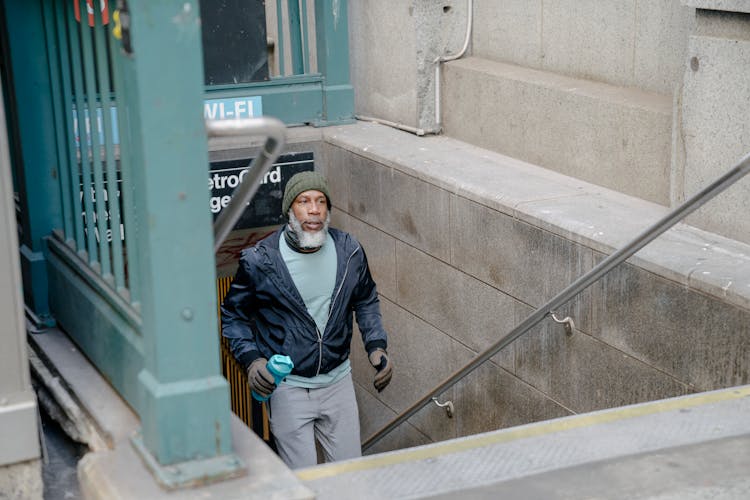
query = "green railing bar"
x=295 y=41
x=129 y=219
x=105 y=89
x=332 y=51
x=96 y=149
x=83 y=137
x=305 y=40
x=280 y=37
x=69 y=139
x=58 y=110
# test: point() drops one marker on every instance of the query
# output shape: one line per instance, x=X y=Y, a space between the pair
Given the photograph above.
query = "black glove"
x=260 y=379
x=379 y=359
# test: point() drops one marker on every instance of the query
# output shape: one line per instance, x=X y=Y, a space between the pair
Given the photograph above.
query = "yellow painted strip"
x=531 y=430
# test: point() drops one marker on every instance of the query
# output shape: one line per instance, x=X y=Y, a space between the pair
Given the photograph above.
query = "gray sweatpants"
x=299 y=416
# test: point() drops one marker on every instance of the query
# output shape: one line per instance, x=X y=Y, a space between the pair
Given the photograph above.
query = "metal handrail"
x=643 y=239
x=275 y=132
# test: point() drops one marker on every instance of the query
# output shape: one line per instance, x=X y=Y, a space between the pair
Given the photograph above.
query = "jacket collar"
x=272 y=263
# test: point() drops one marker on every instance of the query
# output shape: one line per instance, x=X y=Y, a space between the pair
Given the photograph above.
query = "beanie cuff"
x=301 y=182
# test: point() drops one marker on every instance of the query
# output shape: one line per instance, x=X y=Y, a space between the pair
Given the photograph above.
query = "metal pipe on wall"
x=444 y=58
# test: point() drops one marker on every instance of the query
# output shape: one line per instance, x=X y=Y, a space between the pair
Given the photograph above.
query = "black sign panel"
x=265 y=207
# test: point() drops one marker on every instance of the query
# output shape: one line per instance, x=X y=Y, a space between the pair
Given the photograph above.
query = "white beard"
x=308 y=240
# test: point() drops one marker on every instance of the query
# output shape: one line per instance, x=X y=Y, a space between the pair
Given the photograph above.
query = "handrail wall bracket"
x=567 y=323
x=448 y=405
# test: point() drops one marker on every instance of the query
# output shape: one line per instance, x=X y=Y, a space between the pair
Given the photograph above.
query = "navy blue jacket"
x=263 y=313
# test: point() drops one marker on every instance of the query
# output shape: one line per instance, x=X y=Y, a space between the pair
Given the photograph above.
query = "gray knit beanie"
x=301 y=182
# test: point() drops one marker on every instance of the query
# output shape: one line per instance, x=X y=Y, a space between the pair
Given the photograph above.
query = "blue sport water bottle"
x=279 y=366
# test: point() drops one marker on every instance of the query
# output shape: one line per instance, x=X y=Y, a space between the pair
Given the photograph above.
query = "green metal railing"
x=92 y=176
x=130 y=145
x=299 y=41
x=115 y=212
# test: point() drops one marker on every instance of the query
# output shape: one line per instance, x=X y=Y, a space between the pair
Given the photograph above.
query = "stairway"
x=690 y=447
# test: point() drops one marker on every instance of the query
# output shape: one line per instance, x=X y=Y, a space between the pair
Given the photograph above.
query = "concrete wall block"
x=461 y=306
x=490 y=398
x=614 y=137
x=509 y=31
x=374 y=415
x=521 y=260
x=422 y=356
x=638 y=43
x=379 y=247
x=661 y=39
x=585 y=374
x=383 y=48
x=590 y=39
x=716 y=130
x=699 y=340
x=335 y=167
x=407 y=208
x=22 y=480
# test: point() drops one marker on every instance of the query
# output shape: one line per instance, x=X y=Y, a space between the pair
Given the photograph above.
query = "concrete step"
x=616 y=137
x=690 y=447
x=113 y=469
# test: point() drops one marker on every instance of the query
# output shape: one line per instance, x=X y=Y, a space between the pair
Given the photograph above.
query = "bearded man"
x=294 y=294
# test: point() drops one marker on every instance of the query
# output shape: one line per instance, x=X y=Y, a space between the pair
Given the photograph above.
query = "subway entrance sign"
x=265 y=208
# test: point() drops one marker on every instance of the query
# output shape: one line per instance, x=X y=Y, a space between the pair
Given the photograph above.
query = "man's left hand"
x=379 y=359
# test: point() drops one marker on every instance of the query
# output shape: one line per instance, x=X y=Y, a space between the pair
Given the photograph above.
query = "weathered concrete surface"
x=715 y=126
x=693 y=447
x=383 y=62
x=615 y=137
x=393 y=48
x=632 y=43
x=118 y=471
x=661 y=155
x=22 y=480
x=511 y=236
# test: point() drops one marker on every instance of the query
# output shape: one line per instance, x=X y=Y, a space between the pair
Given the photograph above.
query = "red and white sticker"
x=90 y=9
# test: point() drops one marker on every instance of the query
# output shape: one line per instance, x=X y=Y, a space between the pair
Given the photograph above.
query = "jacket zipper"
x=330 y=310
x=320 y=350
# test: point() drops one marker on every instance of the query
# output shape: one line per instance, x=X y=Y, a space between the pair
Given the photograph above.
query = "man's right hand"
x=260 y=379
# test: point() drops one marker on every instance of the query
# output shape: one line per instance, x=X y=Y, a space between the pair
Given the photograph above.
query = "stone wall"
x=713 y=129
x=465 y=243
x=631 y=43
x=646 y=97
x=22 y=480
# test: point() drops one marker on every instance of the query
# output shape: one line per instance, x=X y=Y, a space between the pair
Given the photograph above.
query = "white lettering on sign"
x=213 y=109
x=230 y=179
x=107 y=216
x=235 y=108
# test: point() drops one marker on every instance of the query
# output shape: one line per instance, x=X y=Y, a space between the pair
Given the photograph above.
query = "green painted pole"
x=60 y=112
x=36 y=163
x=76 y=237
x=295 y=37
x=185 y=410
x=280 y=37
x=332 y=39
